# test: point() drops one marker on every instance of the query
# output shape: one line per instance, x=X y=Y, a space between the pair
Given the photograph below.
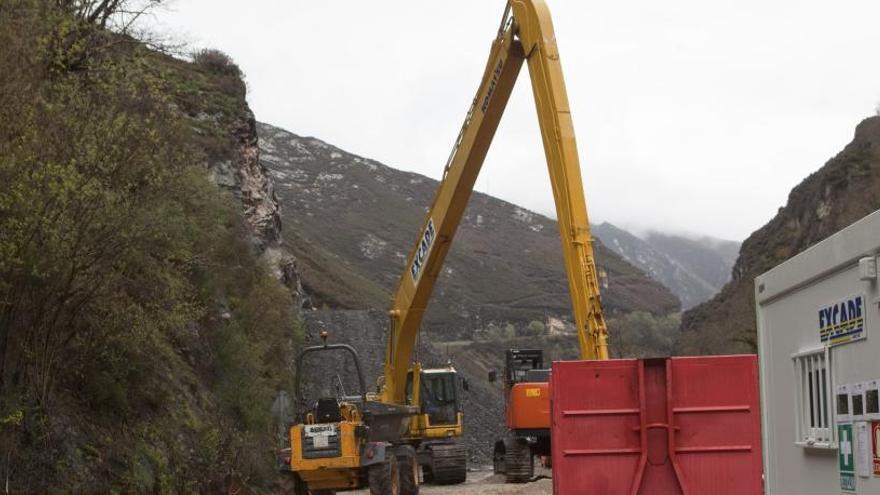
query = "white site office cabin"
x=819 y=350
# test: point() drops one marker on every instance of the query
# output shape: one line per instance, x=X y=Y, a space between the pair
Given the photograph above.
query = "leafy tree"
x=535 y=327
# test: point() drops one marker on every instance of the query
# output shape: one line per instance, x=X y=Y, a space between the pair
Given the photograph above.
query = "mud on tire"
x=409 y=470
x=384 y=478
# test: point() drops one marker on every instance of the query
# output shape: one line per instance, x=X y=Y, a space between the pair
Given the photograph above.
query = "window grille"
x=813 y=404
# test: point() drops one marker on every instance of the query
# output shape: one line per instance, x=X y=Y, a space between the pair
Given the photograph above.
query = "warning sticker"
x=845 y=456
x=875 y=439
x=843 y=321
x=863 y=449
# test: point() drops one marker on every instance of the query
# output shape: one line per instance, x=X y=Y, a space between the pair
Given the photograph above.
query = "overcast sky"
x=691 y=115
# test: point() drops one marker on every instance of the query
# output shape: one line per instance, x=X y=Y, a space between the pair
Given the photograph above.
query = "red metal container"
x=682 y=426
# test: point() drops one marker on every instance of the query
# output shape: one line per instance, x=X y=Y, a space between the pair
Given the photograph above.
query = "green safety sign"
x=845 y=456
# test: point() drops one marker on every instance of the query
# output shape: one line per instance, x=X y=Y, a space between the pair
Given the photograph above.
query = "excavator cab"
x=437 y=394
x=526 y=383
x=524 y=365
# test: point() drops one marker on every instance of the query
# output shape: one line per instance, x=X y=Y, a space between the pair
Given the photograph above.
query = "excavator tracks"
x=448 y=464
x=519 y=464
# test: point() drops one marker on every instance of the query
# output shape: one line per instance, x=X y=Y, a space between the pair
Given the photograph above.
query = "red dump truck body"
x=688 y=426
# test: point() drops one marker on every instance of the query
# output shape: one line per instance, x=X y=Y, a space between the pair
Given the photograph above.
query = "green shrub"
x=217 y=62
x=220 y=64
x=535 y=327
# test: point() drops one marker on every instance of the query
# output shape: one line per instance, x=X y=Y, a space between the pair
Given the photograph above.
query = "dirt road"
x=484 y=483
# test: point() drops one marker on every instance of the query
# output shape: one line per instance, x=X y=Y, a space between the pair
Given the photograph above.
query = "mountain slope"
x=693 y=269
x=708 y=258
x=354 y=221
x=845 y=189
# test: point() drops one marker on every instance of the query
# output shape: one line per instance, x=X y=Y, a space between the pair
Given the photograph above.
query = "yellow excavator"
x=379 y=440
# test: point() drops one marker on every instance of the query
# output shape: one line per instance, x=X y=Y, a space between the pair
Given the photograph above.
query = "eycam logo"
x=843 y=321
x=422 y=252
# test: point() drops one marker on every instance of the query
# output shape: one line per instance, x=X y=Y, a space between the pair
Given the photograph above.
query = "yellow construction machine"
x=379 y=440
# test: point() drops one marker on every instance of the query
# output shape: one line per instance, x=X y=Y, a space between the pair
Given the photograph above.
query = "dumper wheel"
x=384 y=478
x=519 y=464
x=449 y=463
x=409 y=470
x=289 y=484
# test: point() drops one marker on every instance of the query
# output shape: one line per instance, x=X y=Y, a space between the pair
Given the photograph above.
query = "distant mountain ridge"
x=352 y=221
x=694 y=269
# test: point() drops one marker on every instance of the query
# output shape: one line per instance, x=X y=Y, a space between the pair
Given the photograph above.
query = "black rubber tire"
x=519 y=463
x=290 y=484
x=449 y=464
x=384 y=478
x=409 y=469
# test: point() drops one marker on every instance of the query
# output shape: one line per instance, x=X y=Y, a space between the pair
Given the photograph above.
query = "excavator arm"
x=525 y=34
x=535 y=31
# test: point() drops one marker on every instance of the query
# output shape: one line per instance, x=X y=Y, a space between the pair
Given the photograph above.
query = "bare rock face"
x=253 y=186
x=844 y=190
x=246 y=177
x=285 y=269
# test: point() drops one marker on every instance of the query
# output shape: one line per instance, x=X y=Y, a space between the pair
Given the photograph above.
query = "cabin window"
x=813 y=412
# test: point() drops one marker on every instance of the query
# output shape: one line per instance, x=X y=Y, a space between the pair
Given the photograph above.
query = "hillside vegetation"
x=142 y=339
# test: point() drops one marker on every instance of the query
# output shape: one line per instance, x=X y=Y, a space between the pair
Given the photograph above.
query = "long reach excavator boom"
x=526 y=34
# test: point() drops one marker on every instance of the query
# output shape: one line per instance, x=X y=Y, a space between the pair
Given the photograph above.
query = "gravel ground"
x=485 y=483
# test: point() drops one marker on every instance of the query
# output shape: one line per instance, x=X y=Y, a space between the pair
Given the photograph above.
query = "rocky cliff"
x=233 y=163
x=845 y=189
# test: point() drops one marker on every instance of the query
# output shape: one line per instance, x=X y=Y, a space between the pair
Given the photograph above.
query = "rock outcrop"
x=248 y=180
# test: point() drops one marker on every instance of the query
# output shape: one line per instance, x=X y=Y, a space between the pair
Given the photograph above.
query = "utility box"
x=675 y=426
x=819 y=348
